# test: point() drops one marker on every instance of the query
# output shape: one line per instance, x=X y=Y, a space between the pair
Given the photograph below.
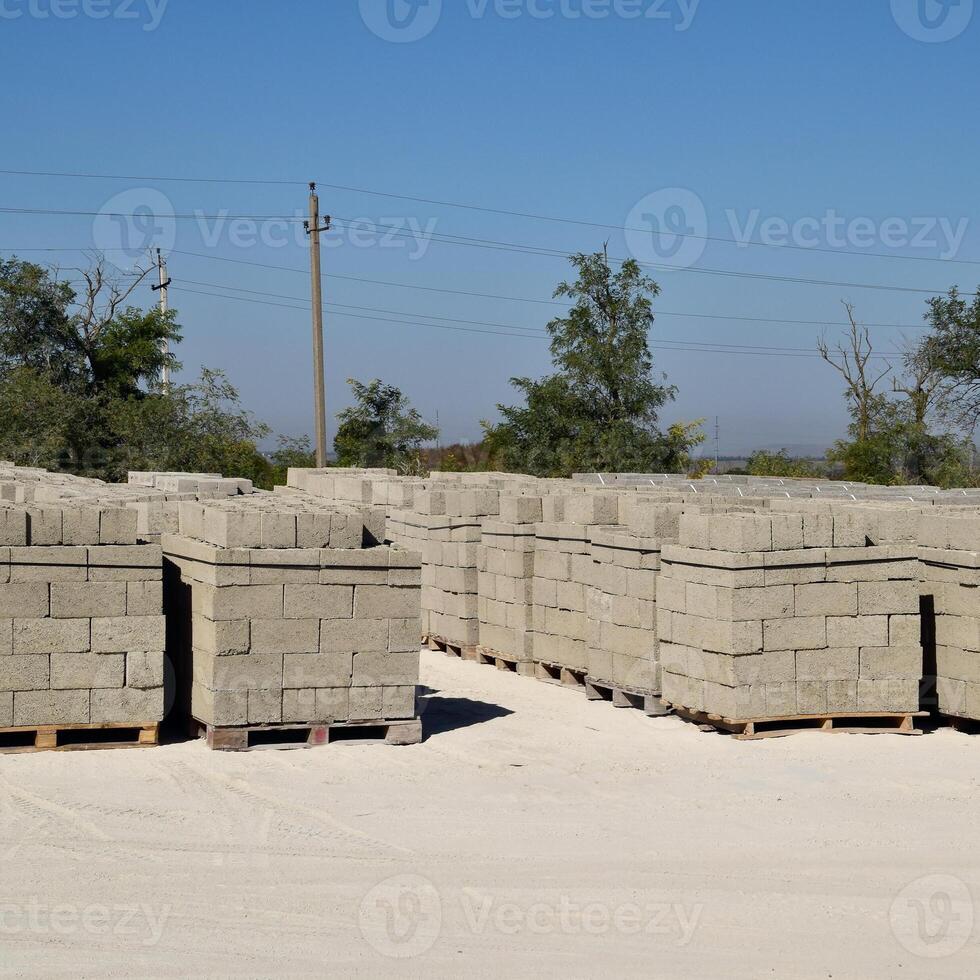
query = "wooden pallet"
x=77 y=738
x=560 y=676
x=843 y=723
x=461 y=651
x=493 y=659
x=622 y=697
x=249 y=738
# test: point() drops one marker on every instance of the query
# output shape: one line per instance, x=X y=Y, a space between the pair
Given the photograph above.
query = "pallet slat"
x=249 y=738
x=842 y=723
x=621 y=697
x=72 y=738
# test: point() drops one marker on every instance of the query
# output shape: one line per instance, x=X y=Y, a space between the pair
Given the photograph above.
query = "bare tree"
x=851 y=360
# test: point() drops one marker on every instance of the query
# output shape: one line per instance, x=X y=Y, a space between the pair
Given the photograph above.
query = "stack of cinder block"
x=763 y=617
x=81 y=619
x=563 y=573
x=950 y=562
x=280 y=615
x=452 y=521
x=623 y=651
x=506 y=570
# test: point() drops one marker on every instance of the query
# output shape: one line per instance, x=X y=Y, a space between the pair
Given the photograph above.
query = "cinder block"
x=834 y=664
x=862 y=631
x=51 y=636
x=239 y=602
x=385 y=669
x=333 y=704
x=265 y=707
x=398 y=703
x=128 y=705
x=51 y=708
x=77 y=671
x=319 y=601
x=891 y=663
x=144 y=598
x=299 y=706
x=25 y=600
x=366 y=704
x=221 y=638
x=117 y=526
x=317 y=670
x=341 y=635
x=285 y=636
x=77 y=600
x=827 y=599
x=24 y=673
x=123 y=634
x=144 y=671
x=801 y=633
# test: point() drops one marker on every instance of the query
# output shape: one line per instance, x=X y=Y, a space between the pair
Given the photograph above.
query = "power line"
x=491 y=244
x=506 y=212
x=517 y=299
x=182 y=180
x=662 y=344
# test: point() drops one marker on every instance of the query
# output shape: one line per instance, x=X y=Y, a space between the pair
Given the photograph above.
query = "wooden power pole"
x=313 y=229
x=164 y=282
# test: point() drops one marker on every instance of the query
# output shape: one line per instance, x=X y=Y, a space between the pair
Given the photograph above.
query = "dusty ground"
x=532 y=834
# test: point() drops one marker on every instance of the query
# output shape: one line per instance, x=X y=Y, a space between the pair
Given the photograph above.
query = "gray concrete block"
x=51 y=636
x=77 y=671
x=24 y=673
x=51 y=708
x=127 y=706
x=123 y=634
x=78 y=600
x=317 y=670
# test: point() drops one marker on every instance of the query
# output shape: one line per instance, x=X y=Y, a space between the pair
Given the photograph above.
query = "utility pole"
x=717 y=441
x=313 y=229
x=164 y=281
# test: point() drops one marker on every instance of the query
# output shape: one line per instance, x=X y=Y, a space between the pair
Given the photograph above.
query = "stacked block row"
x=299 y=635
x=506 y=570
x=950 y=560
x=764 y=617
x=81 y=619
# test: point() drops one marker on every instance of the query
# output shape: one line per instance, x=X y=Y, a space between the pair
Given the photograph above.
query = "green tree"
x=381 y=429
x=599 y=410
x=79 y=384
x=953 y=349
x=764 y=463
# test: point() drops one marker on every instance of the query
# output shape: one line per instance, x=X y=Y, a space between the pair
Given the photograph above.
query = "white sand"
x=532 y=834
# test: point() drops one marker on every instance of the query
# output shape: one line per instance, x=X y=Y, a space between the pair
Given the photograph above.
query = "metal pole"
x=319 y=397
x=164 y=282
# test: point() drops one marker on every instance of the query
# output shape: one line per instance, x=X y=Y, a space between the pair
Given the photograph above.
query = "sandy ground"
x=532 y=834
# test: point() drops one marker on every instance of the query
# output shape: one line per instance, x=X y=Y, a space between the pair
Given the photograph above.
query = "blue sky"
x=845 y=128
